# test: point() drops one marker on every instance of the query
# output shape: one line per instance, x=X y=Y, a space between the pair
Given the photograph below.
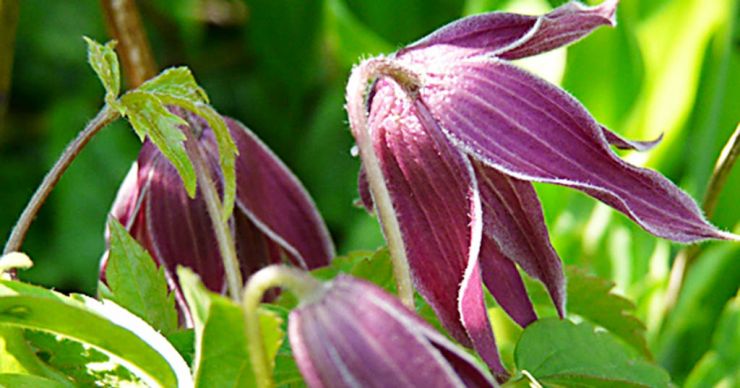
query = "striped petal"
x=275 y=201
x=530 y=129
x=513 y=220
x=509 y=35
x=358 y=335
x=432 y=188
x=626 y=144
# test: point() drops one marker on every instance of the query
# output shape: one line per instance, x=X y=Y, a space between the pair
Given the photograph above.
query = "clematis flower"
x=274 y=218
x=357 y=335
x=451 y=135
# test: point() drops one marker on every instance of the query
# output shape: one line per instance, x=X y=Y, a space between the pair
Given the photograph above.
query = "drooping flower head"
x=274 y=220
x=357 y=335
x=451 y=135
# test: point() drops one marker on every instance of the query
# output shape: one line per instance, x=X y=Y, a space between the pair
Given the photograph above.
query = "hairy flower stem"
x=357 y=89
x=687 y=256
x=299 y=282
x=103 y=118
x=124 y=24
x=221 y=228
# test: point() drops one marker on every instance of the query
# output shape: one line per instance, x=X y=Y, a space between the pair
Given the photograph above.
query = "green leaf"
x=17 y=380
x=104 y=62
x=591 y=298
x=349 y=38
x=150 y=118
x=136 y=283
x=184 y=342
x=102 y=325
x=175 y=82
x=14 y=260
x=562 y=353
x=82 y=365
x=16 y=356
x=221 y=357
x=721 y=364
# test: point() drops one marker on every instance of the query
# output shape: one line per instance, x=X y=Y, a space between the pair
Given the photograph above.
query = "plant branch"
x=8 y=23
x=356 y=109
x=299 y=282
x=124 y=24
x=221 y=228
x=103 y=118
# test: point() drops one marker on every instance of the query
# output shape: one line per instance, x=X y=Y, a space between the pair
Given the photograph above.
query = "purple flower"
x=274 y=219
x=357 y=335
x=451 y=137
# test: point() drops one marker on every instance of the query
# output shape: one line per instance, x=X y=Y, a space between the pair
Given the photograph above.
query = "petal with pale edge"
x=509 y=35
x=530 y=129
x=513 y=219
x=275 y=201
x=431 y=185
x=358 y=335
x=626 y=144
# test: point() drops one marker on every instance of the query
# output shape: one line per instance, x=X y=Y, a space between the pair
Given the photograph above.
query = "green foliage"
x=27 y=381
x=136 y=284
x=104 y=61
x=562 y=353
x=104 y=326
x=592 y=298
x=221 y=357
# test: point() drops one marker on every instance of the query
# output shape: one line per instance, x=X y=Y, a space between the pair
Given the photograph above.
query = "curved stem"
x=103 y=118
x=686 y=258
x=299 y=282
x=124 y=24
x=224 y=237
x=357 y=88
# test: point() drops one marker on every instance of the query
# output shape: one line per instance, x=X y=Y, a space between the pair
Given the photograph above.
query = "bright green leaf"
x=136 y=283
x=176 y=82
x=103 y=60
x=221 y=357
x=102 y=325
x=150 y=118
x=16 y=356
x=591 y=297
x=16 y=380
x=562 y=353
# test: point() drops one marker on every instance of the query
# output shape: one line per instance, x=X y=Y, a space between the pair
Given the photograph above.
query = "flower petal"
x=503 y=280
x=509 y=35
x=357 y=335
x=626 y=144
x=431 y=185
x=363 y=188
x=513 y=219
x=274 y=200
x=530 y=129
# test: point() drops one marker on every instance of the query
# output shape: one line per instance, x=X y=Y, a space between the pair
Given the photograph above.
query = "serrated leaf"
x=16 y=356
x=104 y=61
x=176 y=82
x=221 y=357
x=591 y=298
x=562 y=353
x=83 y=365
x=150 y=118
x=102 y=325
x=135 y=282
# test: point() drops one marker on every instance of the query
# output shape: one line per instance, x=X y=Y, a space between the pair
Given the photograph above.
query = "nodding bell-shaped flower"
x=451 y=135
x=357 y=335
x=274 y=219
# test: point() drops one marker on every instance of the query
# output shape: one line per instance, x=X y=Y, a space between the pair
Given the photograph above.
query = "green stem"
x=299 y=282
x=356 y=100
x=103 y=118
x=221 y=228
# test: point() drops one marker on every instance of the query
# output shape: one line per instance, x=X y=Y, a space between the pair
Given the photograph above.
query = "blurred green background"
x=279 y=66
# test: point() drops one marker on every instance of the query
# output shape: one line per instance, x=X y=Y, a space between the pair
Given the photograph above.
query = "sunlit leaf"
x=103 y=60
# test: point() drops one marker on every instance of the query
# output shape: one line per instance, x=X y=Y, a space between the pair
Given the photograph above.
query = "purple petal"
x=358 y=335
x=503 y=280
x=513 y=219
x=509 y=35
x=530 y=129
x=431 y=187
x=363 y=187
x=275 y=201
x=626 y=144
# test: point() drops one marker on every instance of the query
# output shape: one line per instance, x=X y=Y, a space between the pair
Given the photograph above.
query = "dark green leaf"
x=104 y=326
x=562 y=353
x=591 y=297
x=184 y=342
x=136 y=283
x=104 y=61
